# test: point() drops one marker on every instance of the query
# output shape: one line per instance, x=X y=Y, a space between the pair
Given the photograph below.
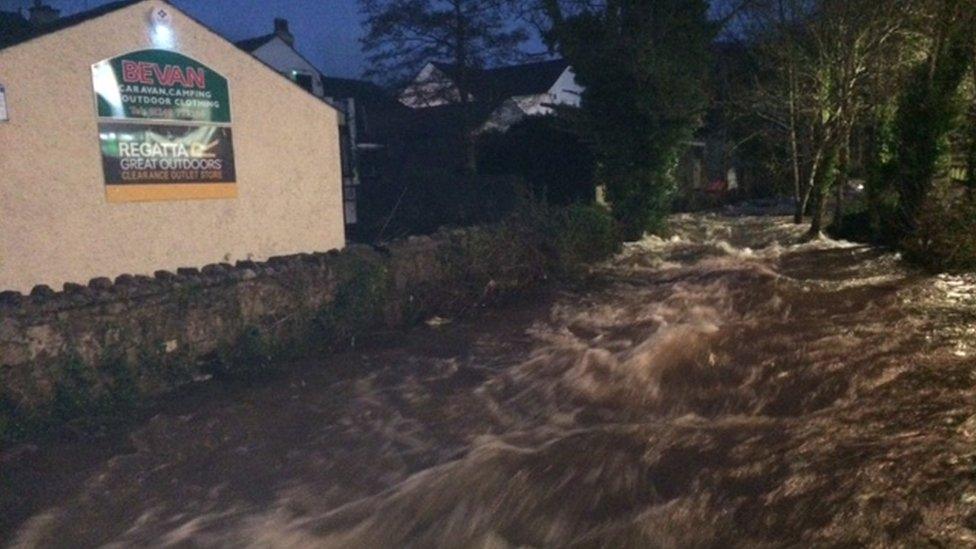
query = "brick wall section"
x=167 y=328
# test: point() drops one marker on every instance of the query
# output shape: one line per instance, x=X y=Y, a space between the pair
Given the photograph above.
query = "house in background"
x=373 y=124
x=499 y=98
x=368 y=112
x=508 y=94
x=277 y=50
x=14 y=27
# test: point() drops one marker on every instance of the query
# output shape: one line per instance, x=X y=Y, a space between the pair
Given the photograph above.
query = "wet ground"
x=729 y=387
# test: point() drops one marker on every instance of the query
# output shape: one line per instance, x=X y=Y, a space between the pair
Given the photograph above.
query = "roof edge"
x=76 y=19
x=97 y=13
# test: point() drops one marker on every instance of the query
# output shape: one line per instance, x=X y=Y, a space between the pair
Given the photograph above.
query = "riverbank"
x=102 y=349
x=729 y=386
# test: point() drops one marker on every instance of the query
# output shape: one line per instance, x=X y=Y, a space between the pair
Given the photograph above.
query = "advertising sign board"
x=164 y=128
x=160 y=85
x=162 y=162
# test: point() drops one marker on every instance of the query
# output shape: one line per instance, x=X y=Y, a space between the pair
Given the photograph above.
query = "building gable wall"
x=565 y=90
x=285 y=59
x=56 y=225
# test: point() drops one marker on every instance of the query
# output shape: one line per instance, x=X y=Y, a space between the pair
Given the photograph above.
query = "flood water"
x=727 y=387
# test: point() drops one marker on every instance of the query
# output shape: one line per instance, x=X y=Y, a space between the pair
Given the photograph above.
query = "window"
x=303 y=79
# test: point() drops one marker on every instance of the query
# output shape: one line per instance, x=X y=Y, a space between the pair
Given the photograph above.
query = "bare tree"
x=405 y=35
x=818 y=59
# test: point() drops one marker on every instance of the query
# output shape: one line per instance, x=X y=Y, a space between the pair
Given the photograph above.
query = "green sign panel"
x=160 y=85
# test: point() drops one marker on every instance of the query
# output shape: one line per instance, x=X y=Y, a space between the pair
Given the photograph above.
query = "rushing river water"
x=728 y=387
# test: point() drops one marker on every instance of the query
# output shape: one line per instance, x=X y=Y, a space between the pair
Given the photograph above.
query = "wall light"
x=161 y=29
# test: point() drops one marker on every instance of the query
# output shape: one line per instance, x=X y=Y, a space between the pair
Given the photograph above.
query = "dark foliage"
x=643 y=65
x=424 y=198
x=927 y=111
x=945 y=235
x=553 y=162
x=404 y=35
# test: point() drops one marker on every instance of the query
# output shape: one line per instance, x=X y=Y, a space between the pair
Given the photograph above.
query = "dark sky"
x=327 y=32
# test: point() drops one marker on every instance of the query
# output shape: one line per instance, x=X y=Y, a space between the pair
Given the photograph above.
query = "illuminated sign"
x=160 y=85
x=164 y=128
x=167 y=162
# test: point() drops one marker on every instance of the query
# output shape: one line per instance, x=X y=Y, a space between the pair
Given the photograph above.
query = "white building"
x=277 y=50
x=515 y=91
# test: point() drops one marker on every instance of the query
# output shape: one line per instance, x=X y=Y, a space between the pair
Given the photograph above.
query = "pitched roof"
x=65 y=22
x=515 y=80
x=82 y=17
x=448 y=120
x=13 y=26
x=385 y=114
x=251 y=44
x=342 y=88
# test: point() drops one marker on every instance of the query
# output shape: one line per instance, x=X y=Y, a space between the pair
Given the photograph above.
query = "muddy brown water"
x=728 y=387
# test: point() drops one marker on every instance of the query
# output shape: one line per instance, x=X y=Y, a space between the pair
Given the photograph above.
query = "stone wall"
x=141 y=335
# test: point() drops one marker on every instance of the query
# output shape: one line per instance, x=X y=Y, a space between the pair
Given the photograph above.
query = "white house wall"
x=282 y=57
x=566 y=91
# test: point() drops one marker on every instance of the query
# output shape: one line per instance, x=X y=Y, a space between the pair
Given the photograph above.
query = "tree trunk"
x=817 y=212
x=820 y=180
x=797 y=211
x=843 y=163
x=971 y=137
x=823 y=176
x=464 y=86
x=798 y=201
x=803 y=208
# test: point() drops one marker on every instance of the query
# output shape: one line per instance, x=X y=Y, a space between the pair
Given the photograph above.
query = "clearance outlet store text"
x=164 y=128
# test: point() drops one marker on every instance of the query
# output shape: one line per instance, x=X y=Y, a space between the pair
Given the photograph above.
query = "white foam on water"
x=730 y=373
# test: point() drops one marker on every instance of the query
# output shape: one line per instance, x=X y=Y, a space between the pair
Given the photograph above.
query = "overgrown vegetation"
x=363 y=293
x=82 y=395
x=873 y=92
x=945 y=235
x=643 y=66
x=248 y=358
x=535 y=243
x=585 y=234
x=553 y=161
x=928 y=110
x=915 y=198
